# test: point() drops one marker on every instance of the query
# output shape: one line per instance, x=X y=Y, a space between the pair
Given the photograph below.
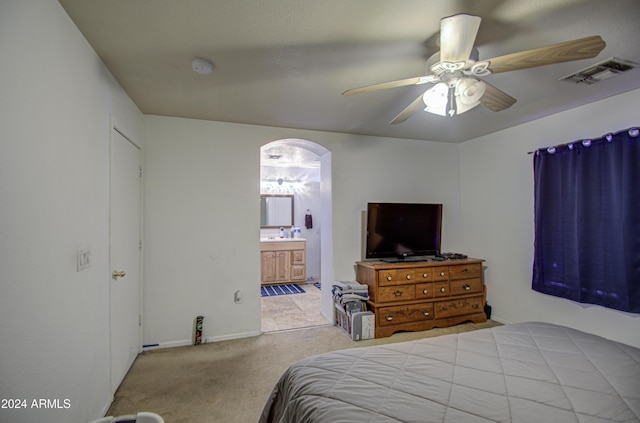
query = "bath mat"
x=272 y=290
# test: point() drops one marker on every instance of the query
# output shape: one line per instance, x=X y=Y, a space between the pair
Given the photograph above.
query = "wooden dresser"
x=283 y=261
x=414 y=296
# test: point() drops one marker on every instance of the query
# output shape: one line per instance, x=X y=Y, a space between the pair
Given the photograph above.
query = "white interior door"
x=124 y=255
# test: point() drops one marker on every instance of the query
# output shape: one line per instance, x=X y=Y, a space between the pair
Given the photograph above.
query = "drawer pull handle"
x=443 y=289
x=441 y=273
x=388 y=317
x=389 y=278
x=475 y=305
x=466 y=286
x=425 y=292
x=465 y=270
x=424 y=275
x=426 y=312
x=397 y=293
x=408 y=277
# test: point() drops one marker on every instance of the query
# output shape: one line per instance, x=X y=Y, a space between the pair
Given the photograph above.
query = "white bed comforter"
x=526 y=372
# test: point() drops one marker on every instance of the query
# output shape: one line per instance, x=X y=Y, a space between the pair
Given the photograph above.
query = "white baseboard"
x=168 y=344
x=500 y=320
x=330 y=320
x=187 y=342
x=184 y=343
x=233 y=336
x=106 y=408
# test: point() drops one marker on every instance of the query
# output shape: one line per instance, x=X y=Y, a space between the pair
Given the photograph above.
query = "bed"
x=525 y=372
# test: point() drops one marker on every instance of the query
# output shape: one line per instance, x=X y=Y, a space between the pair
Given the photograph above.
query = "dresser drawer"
x=404 y=314
x=396 y=293
x=466 y=286
x=396 y=277
x=465 y=271
x=404 y=276
x=441 y=273
x=451 y=308
x=441 y=289
x=425 y=290
x=423 y=274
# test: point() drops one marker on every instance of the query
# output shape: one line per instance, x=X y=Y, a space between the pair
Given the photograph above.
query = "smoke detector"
x=202 y=66
x=600 y=71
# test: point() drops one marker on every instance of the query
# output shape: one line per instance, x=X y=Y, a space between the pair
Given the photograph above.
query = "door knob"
x=117 y=274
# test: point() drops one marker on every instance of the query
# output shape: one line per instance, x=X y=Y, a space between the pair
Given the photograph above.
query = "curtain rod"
x=633 y=131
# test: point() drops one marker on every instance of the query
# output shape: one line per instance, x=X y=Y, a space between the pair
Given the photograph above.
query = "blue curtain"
x=587 y=221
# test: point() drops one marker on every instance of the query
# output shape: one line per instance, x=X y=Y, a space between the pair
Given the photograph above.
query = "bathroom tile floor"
x=293 y=311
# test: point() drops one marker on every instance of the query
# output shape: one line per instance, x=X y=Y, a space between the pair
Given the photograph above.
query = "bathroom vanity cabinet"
x=283 y=260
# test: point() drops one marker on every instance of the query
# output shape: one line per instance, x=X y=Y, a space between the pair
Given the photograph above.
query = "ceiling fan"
x=455 y=70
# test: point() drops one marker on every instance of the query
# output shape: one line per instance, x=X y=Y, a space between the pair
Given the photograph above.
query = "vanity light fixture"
x=281 y=186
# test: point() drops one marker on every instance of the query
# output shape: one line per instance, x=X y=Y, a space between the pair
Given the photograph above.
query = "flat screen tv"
x=403 y=231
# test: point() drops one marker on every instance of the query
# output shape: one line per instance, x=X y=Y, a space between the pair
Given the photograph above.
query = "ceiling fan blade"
x=393 y=84
x=408 y=111
x=496 y=99
x=583 y=48
x=457 y=36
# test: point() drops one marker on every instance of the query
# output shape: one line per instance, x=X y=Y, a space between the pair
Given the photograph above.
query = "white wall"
x=497 y=210
x=309 y=199
x=54 y=133
x=202 y=214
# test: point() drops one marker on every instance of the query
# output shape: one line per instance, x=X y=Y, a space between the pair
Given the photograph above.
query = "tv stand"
x=415 y=296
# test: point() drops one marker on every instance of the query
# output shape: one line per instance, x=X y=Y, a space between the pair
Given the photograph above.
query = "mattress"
x=525 y=372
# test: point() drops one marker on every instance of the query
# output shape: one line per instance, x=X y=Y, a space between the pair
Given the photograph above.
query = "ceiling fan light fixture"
x=469 y=91
x=454 y=98
x=436 y=99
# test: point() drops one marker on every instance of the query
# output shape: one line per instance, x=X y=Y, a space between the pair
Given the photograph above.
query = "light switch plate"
x=83 y=259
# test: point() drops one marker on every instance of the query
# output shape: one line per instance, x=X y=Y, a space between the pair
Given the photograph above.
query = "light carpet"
x=229 y=381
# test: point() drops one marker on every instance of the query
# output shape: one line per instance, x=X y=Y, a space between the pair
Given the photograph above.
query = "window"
x=587 y=221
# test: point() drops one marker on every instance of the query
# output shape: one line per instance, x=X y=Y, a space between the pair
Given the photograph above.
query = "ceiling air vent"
x=600 y=71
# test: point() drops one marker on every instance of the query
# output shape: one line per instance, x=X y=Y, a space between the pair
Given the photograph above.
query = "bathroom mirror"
x=276 y=211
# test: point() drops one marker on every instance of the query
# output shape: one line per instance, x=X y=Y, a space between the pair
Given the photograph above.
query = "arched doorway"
x=302 y=169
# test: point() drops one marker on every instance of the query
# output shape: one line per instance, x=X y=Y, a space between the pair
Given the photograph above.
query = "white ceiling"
x=285 y=63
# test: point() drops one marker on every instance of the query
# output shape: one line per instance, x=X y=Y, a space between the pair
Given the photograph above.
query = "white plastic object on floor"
x=141 y=417
x=125 y=418
x=146 y=417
